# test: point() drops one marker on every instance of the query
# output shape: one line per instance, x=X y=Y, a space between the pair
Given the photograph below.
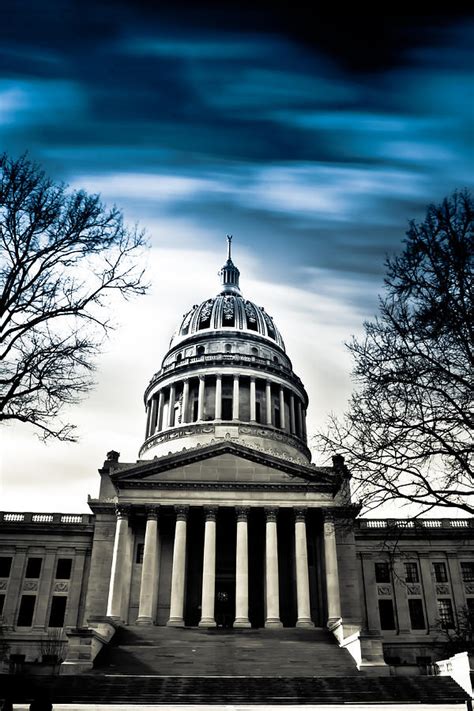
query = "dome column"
x=201 y=392
x=268 y=401
x=242 y=571
x=171 y=404
x=184 y=411
x=272 y=617
x=218 y=402
x=282 y=409
x=209 y=570
x=302 y=572
x=253 y=400
x=299 y=416
x=179 y=569
x=159 y=421
x=235 y=398
x=292 y=414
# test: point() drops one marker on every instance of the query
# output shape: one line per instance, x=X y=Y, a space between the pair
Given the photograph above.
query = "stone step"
x=231 y=690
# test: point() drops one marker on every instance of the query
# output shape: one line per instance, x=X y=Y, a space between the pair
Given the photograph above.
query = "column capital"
x=123 y=510
x=242 y=512
x=210 y=512
x=329 y=517
x=152 y=511
x=181 y=512
x=253 y=378
x=271 y=513
x=300 y=514
x=202 y=378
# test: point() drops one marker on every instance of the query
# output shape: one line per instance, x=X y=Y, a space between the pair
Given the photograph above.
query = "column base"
x=207 y=622
x=273 y=622
x=114 y=618
x=143 y=620
x=304 y=622
x=175 y=622
x=241 y=622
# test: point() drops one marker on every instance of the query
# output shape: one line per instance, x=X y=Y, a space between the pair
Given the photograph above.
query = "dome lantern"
x=229 y=273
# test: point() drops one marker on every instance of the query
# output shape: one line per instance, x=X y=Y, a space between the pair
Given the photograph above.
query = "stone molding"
x=61 y=587
x=31 y=585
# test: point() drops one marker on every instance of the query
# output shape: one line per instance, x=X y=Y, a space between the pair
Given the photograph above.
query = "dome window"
x=228 y=348
x=179 y=357
x=228 y=312
x=251 y=315
x=254 y=351
x=275 y=360
x=205 y=315
x=200 y=350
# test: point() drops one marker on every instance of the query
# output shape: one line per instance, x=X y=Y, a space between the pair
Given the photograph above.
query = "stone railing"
x=48 y=518
x=429 y=523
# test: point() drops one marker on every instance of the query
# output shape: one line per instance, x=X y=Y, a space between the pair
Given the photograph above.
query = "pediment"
x=226 y=463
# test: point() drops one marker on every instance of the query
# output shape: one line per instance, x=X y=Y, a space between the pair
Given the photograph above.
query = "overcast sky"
x=313 y=142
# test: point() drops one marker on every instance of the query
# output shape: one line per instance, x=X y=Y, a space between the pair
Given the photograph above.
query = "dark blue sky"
x=313 y=140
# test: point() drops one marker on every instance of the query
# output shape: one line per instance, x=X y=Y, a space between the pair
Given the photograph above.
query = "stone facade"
x=224 y=521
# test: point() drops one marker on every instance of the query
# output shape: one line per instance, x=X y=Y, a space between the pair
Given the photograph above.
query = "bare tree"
x=408 y=432
x=64 y=256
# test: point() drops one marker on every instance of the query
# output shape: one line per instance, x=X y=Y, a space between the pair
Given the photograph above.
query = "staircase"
x=185 y=652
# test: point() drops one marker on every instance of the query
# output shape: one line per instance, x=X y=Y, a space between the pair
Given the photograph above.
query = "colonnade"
x=150 y=569
x=162 y=412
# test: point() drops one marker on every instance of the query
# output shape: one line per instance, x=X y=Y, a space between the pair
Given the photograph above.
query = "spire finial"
x=229 y=273
x=229 y=246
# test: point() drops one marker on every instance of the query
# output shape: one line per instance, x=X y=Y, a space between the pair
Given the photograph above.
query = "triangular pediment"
x=225 y=463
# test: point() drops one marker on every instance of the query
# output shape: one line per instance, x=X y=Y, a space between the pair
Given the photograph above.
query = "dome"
x=229 y=312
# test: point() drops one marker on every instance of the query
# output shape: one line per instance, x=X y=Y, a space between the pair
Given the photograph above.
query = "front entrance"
x=225 y=603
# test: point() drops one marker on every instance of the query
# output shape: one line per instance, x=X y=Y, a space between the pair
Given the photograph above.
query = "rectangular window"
x=382 y=573
x=470 y=612
x=257 y=412
x=5 y=566
x=445 y=612
x=63 y=568
x=276 y=417
x=417 y=617
x=195 y=410
x=440 y=572
x=33 y=568
x=139 y=554
x=2 y=604
x=387 y=617
x=25 y=613
x=467 y=570
x=58 y=611
x=226 y=408
x=411 y=573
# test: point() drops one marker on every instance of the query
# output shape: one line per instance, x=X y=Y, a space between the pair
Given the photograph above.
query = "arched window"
x=200 y=350
x=179 y=357
x=275 y=360
x=228 y=347
x=254 y=351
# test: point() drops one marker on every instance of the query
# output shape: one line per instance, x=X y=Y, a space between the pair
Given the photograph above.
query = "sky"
x=313 y=140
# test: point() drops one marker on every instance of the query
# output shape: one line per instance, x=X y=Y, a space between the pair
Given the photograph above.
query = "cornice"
x=225 y=486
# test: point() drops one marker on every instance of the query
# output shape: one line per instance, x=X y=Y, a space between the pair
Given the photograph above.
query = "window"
x=440 y=573
x=2 y=604
x=470 y=611
x=411 y=573
x=139 y=554
x=382 y=573
x=63 y=568
x=254 y=351
x=276 y=416
x=195 y=410
x=467 y=570
x=58 y=611
x=25 y=613
x=5 y=566
x=387 y=618
x=258 y=416
x=179 y=357
x=445 y=611
x=228 y=348
x=200 y=350
x=417 y=617
x=226 y=408
x=33 y=568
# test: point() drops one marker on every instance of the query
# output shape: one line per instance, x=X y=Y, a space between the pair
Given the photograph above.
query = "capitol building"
x=223 y=529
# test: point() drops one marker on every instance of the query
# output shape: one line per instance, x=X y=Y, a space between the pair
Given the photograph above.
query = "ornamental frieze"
x=61 y=587
x=414 y=589
x=31 y=585
x=469 y=588
x=3 y=584
x=384 y=589
x=442 y=589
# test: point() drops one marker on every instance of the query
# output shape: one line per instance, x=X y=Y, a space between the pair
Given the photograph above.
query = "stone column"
x=185 y=401
x=218 y=405
x=209 y=570
x=235 y=398
x=179 y=569
x=302 y=572
x=332 y=574
x=159 y=420
x=292 y=414
x=201 y=398
x=114 y=602
x=148 y=418
x=268 y=401
x=253 y=401
x=299 y=418
x=271 y=570
x=76 y=583
x=242 y=571
x=171 y=405
x=282 y=409
x=150 y=570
